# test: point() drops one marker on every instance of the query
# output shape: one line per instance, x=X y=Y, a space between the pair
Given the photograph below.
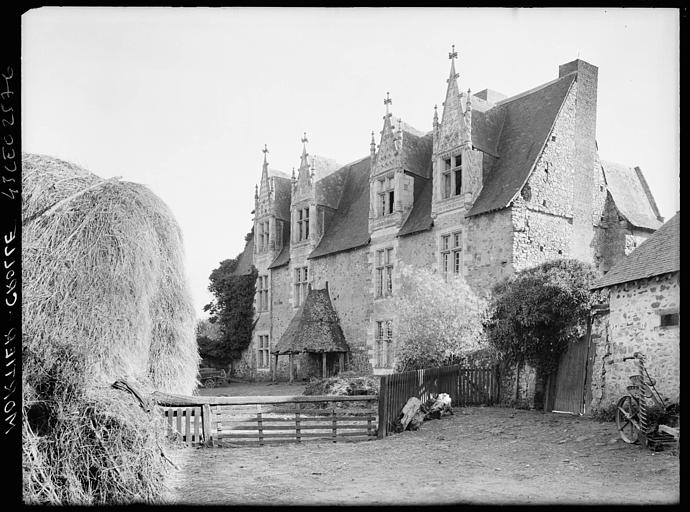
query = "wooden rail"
x=259 y=420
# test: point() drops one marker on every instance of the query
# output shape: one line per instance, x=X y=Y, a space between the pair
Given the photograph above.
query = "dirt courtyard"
x=479 y=455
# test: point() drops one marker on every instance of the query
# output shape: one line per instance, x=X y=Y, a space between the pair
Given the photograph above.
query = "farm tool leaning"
x=635 y=411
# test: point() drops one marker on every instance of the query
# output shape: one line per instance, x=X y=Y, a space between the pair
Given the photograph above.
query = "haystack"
x=105 y=298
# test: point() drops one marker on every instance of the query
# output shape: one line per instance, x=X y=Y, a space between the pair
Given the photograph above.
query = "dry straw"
x=104 y=298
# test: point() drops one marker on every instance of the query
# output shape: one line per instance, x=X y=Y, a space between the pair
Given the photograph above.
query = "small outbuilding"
x=639 y=311
x=314 y=330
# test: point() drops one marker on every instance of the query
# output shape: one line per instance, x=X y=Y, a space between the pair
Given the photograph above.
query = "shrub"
x=438 y=322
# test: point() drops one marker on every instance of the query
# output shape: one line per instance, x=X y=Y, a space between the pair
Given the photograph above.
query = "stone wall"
x=631 y=325
x=488 y=249
x=615 y=237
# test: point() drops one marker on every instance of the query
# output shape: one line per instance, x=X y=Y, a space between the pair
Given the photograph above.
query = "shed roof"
x=659 y=254
x=314 y=328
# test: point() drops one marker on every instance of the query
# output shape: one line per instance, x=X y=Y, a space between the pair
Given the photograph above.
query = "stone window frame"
x=264 y=234
x=452 y=170
x=383 y=344
x=385 y=195
x=302 y=224
x=262 y=292
x=451 y=253
x=301 y=281
x=263 y=351
x=384 y=272
x=669 y=318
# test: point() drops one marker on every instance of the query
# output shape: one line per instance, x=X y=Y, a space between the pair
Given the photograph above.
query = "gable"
x=528 y=119
x=628 y=191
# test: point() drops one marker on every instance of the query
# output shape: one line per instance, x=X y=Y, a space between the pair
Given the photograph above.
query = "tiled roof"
x=627 y=188
x=349 y=227
x=314 y=328
x=529 y=118
x=659 y=254
x=420 y=216
x=244 y=265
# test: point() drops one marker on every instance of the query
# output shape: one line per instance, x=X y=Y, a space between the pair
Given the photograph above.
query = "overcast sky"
x=184 y=99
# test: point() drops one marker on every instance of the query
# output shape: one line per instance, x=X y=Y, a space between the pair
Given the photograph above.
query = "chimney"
x=584 y=153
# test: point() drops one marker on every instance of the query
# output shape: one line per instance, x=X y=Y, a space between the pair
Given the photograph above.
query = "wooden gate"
x=569 y=389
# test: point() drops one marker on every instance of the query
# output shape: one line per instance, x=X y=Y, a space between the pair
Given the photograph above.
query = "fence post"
x=383 y=400
x=206 y=424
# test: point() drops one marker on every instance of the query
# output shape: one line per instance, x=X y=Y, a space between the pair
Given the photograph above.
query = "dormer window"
x=386 y=196
x=302 y=224
x=451 y=177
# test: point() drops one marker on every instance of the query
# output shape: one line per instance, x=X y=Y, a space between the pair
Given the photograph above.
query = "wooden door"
x=570 y=379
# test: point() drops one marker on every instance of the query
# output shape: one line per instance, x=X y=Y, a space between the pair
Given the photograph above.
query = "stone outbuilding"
x=639 y=311
x=315 y=331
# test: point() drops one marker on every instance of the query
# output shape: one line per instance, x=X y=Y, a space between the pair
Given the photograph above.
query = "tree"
x=232 y=309
x=536 y=313
x=438 y=321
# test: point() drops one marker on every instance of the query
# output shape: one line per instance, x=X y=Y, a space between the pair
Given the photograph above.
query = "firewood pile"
x=414 y=412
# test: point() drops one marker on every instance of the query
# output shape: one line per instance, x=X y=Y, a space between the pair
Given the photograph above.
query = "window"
x=384 y=272
x=386 y=196
x=301 y=278
x=451 y=177
x=262 y=293
x=670 y=319
x=302 y=230
x=263 y=235
x=384 y=344
x=263 y=358
x=451 y=253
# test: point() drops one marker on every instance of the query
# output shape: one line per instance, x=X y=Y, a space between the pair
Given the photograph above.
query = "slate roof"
x=283 y=191
x=284 y=255
x=529 y=118
x=631 y=195
x=314 y=328
x=417 y=153
x=659 y=254
x=244 y=265
x=349 y=227
x=420 y=216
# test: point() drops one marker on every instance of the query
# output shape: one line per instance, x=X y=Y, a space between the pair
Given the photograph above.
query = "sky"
x=183 y=99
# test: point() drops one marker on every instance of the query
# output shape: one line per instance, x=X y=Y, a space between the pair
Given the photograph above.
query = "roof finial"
x=469 y=100
x=265 y=151
x=387 y=102
x=293 y=173
x=453 y=54
x=256 y=191
x=372 y=145
x=435 y=115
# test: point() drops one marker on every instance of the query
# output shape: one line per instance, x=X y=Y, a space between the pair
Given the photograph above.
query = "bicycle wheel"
x=627 y=419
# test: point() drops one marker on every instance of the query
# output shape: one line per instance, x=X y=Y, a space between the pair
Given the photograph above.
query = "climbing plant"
x=536 y=313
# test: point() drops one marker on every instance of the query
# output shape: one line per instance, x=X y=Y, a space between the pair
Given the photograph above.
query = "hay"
x=104 y=298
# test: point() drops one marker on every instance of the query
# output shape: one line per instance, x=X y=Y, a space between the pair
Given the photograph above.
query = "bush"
x=438 y=322
x=536 y=313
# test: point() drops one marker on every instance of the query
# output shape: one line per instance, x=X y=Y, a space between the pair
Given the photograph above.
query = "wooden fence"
x=464 y=385
x=259 y=420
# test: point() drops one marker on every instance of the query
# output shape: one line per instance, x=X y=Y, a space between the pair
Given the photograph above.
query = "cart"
x=637 y=413
x=211 y=377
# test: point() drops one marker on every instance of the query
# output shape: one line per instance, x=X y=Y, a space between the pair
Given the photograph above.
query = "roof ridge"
x=532 y=91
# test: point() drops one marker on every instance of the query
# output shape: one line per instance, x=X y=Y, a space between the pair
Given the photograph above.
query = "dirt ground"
x=480 y=455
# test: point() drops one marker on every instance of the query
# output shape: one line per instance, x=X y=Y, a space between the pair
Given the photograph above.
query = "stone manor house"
x=497 y=185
